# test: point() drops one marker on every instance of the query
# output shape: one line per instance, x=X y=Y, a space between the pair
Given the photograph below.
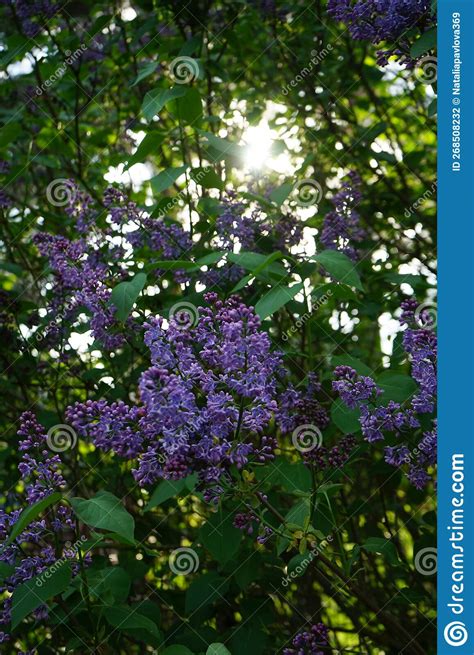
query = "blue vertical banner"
x=456 y=327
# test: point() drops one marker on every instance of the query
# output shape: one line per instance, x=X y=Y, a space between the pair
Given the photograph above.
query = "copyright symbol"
x=456 y=101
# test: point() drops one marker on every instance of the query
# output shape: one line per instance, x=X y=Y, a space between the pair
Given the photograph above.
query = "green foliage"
x=340 y=540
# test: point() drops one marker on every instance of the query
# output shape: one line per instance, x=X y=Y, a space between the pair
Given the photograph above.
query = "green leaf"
x=149 y=144
x=291 y=476
x=6 y=570
x=426 y=42
x=281 y=193
x=396 y=386
x=156 y=99
x=298 y=564
x=111 y=585
x=34 y=593
x=275 y=299
x=205 y=590
x=166 y=178
x=173 y=265
x=144 y=72
x=177 y=649
x=207 y=178
x=30 y=514
x=372 y=133
x=251 y=261
x=385 y=156
x=249 y=640
x=9 y=133
x=382 y=546
x=105 y=511
x=125 y=294
x=127 y=618
x=223 y=146
x=189 y=107
x=347 y=420
x=353 y=362
x=220 y=537
x=217 y=649
x=164 y=491
x=340 y=267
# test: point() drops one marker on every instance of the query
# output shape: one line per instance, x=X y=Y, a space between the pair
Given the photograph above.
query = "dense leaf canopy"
x=217 y=322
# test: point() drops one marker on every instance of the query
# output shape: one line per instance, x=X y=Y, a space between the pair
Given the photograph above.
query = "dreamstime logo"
x=60 y=192
x=308 y=192
x=184 y=70
x=426 y=561
x=185 y=315
x=426 y=315
x=409 y=211
x=455 y=633
x=70 y=552
x=303 y=565
x=306 y=438
x=71 y=57
x=175 y=200
x=183 y=561
x=317 y=57
x=300 y=322
x=61 y=437
x=426 y=70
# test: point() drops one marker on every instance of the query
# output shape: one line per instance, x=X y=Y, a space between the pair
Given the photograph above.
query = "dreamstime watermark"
x=184 y=314
x=71 y=58
x=306 y=438
x=61 y=192
x=426 y=70
x=409 y=211
x=183 y=561
x=184 y=70
x=300 y=568
x=307 y=192
x=426 y=315
x=175 y=200
x=426 y=561
x=61 y=437
x=316 y=58
x=455 y=633
x=300 y=322
x=70 y=552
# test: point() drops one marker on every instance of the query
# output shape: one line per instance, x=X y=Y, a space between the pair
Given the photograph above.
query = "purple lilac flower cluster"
x=376 y=419
x=237 y=226
x=335 y=457
x=341 y=228
x=420 y=343
x=32 y=13
x=5 y=201
x=207 y=400
x=80 y=280
x=247 y=520
x=31 y=553
x=296 y=408
x=310 y=642
x=383 y=20
x=86 y=269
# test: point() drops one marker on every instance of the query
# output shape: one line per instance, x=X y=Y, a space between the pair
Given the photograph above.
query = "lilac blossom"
x=44 y=541
x=341 y=228
x=313 y=641
x=207 y=399
x=378 y=419
x=384 y=20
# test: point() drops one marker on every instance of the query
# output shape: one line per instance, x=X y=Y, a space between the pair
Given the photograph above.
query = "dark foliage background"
x=175 y=104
